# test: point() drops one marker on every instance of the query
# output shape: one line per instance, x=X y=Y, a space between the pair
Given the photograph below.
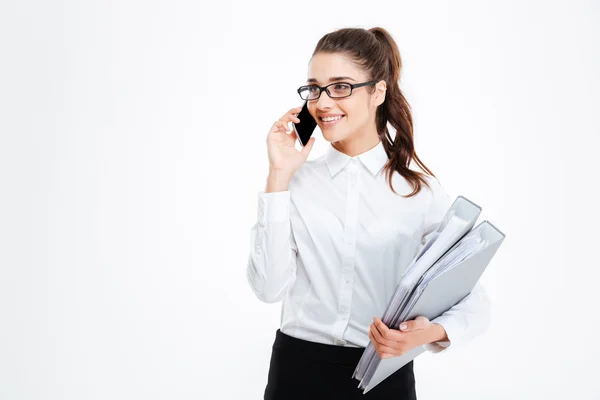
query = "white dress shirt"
x=335 y=245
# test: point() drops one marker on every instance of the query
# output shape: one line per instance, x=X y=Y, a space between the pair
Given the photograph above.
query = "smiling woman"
x=334 y=236
x=353 y=59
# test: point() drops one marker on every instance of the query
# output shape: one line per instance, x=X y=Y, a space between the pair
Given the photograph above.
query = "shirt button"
x=347 y=281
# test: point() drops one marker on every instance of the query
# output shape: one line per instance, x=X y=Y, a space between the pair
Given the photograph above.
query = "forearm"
x=277 y=181
x=271 y=265
x=466 y=320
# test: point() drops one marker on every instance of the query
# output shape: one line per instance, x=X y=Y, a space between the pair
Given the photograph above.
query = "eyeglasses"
x=336 y=90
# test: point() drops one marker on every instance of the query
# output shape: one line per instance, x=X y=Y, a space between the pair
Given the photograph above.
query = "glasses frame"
x=326 y=89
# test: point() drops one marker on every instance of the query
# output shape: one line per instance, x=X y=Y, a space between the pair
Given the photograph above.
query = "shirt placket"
x=347 y=275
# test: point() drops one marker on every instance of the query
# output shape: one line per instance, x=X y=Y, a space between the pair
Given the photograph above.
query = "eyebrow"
x=333 y=79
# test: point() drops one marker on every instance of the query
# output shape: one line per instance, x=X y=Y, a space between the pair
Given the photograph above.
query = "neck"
x=359 y=143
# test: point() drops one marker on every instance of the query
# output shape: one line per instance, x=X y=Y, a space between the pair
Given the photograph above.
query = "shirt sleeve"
x=467 y=319
x=471 y=316
x=439 y=203
x=271 y=267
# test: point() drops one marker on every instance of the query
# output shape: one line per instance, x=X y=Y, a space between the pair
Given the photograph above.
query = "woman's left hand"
x=392 y=342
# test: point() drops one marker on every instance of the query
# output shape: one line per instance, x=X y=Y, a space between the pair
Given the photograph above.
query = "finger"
x=378 y=346
x=416 y=324
x=308 y=147
x=278 y=126
x=374 y=341
x=377 y=336
x=386 y=341
x=286 y=126
x=286 y=117
x=423 y=321
x=382 y=350
x=290 y=115
x=381 y=327
x=281 y=126
x=294 y=134
x=390 y=334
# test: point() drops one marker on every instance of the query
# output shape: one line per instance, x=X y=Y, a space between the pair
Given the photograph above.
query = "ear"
x=380 y=92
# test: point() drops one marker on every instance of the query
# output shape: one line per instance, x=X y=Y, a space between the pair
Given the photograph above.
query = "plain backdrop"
x=132 y=151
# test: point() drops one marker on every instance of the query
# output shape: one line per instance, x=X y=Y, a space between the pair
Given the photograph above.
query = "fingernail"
x=403 y=326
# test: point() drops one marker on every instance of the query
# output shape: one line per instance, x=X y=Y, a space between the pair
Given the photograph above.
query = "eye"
x=341 y=86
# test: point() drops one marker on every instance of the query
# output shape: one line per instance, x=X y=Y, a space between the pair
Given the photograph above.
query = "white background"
x=132 y=150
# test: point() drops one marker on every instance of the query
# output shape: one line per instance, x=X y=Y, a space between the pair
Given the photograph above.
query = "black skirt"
x=300 y=369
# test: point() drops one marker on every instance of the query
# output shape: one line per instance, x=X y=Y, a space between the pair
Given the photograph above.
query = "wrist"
x=278 y=181
x=438 y=333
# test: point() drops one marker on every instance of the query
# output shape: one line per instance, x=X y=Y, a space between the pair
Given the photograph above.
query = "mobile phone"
x=306 y=126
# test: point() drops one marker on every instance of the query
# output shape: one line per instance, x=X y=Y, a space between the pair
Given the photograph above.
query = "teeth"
x=329 y=119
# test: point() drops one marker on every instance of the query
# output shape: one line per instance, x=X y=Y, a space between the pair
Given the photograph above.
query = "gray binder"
x=437 y=290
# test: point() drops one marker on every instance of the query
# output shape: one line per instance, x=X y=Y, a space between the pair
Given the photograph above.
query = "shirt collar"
x=374 y=159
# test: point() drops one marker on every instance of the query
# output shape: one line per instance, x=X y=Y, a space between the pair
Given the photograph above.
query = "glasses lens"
x=309 y=92
x=340 y=90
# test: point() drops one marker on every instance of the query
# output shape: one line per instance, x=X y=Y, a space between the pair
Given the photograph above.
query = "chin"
x=335 y=138
x=333 y=135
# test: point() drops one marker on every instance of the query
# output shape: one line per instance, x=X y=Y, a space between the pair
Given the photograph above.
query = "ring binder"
x=444 y=272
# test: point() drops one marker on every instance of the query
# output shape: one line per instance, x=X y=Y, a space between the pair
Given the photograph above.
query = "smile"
x=328 y=121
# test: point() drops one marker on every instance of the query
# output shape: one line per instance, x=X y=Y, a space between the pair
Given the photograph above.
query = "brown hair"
x=376 y=52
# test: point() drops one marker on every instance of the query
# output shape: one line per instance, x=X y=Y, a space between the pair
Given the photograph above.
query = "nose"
x=325 y=102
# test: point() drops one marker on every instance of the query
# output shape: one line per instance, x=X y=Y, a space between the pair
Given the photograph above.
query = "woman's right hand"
x=283 y=156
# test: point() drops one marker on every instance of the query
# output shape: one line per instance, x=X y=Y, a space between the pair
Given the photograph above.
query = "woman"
x=335 y=235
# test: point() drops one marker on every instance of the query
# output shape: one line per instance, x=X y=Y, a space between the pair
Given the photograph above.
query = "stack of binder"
x=444 y=272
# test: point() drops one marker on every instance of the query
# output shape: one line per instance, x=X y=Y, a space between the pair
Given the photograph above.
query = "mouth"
x=330 y=121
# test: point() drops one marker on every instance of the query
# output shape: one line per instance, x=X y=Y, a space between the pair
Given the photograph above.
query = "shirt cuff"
x=453 y=330
x=273 y=206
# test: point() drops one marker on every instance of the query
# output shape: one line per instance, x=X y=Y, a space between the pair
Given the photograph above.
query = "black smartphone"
x=306 y=126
